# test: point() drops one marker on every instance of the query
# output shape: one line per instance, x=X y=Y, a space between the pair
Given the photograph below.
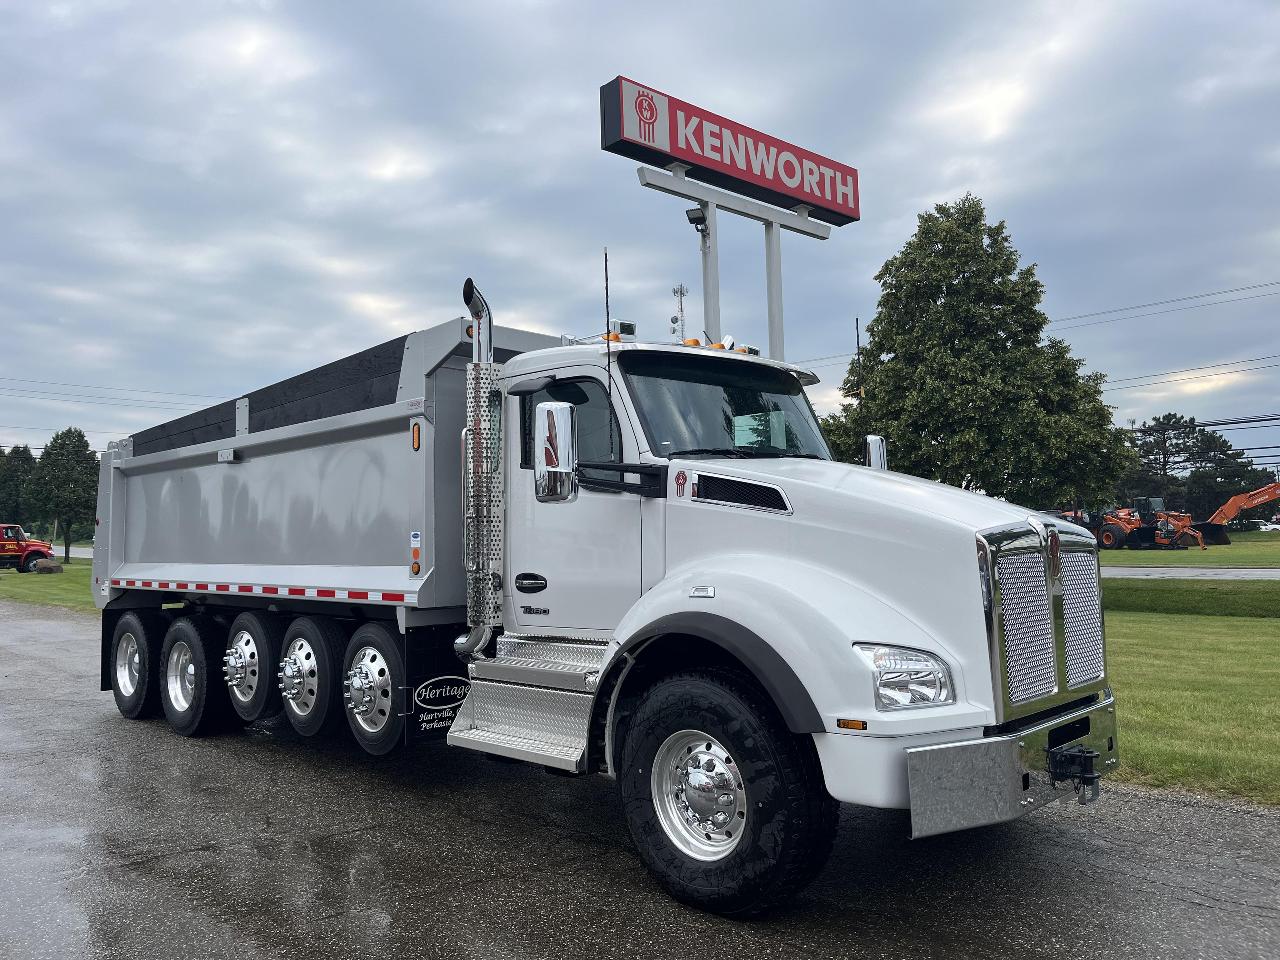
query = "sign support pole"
x=773 y=287
x=710 y=275
x=711 y=200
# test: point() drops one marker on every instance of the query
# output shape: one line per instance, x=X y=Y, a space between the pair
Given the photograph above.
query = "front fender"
x=794 y=625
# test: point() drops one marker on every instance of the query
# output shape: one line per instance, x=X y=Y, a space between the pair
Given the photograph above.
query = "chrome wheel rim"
x=368 y=689
x=298 y=675
x=699 y=795
x=128 y=664
x=241 y=667
x=180 y=676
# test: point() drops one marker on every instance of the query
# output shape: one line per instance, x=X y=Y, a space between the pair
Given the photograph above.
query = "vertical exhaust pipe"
x=482 y=482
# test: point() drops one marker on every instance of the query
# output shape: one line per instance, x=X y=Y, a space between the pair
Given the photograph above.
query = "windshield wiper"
x=717 y=451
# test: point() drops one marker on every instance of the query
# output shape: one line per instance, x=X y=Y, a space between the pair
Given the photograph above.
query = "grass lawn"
x=1198 y=701
x=1253 y=548
x=1211 y=598
x=67 y=589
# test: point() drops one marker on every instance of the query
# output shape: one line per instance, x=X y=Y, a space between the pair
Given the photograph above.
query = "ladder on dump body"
x=532 y=701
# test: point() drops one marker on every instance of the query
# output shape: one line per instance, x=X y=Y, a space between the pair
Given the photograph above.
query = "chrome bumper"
x=954 y=786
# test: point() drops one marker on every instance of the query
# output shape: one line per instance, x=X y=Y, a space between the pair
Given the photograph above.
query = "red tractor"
x=20 y=551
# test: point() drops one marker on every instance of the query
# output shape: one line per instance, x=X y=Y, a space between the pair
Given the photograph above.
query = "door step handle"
x=530 y=582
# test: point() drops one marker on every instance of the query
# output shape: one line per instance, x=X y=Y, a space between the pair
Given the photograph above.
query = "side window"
x=8 y=533
x=599 y=438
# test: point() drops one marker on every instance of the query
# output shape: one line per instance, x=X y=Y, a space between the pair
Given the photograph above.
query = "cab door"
x=9 y=546
x=571 y=566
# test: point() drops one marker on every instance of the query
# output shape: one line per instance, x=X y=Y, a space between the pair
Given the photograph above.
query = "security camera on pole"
x=801 y=191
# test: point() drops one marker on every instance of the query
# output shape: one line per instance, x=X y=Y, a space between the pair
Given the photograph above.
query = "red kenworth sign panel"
x=641 y=123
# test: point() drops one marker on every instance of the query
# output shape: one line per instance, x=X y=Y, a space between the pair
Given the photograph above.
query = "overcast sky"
x=202 y=198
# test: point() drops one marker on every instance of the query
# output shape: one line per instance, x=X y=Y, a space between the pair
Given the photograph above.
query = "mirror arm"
x=653 y=478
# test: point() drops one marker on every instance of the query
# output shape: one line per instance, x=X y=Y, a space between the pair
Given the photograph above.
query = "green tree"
x=67 y=483
x=1193 y=469
x=17 y=470
x=956 y=376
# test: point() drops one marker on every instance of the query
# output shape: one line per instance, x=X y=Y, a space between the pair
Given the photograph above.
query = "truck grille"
x=1044 y=654
x=1082 y=616
x=1028 y=626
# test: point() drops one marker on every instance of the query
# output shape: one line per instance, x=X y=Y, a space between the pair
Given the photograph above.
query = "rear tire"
x=373 y=678
x=134 y=664
x=310 y=675
x=1111 y=537
x=250 y=661
x=194 y=698
x=766 y=780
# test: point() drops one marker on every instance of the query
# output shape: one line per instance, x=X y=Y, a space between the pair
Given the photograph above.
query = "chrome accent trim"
x=955 y=786
x=696 y=475
x=1014 y=539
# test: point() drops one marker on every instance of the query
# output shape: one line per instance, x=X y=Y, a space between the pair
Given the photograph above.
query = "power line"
x=1159 y=313
x=1159 y=303
x=95 y=386
x=1207 y=366
x=101 y=401
x=10 y=426
x=1202 y=376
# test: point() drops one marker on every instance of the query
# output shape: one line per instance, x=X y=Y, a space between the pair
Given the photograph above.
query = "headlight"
x=906 y=678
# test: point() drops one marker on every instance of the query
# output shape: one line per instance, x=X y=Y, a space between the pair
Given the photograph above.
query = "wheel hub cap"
x=699 y=795
x=240 y=666
x=297 y=676
x=180 y=676
x=128 y=664
x=368 y=689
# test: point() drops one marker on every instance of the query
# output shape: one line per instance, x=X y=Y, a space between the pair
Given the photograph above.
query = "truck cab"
x=20 y=552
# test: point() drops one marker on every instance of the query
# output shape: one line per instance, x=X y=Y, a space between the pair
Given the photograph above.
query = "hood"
x=973 y=510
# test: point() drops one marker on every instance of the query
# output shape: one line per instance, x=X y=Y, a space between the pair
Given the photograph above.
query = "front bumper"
x=954 y=786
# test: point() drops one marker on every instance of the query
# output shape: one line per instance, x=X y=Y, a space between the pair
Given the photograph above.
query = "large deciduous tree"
x=67 y=483
x=17 y=471
x=957 y=377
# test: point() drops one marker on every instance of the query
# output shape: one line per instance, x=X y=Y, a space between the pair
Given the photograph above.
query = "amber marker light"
x=415 y=568
x=851 y=724
x=716 y=346
x=693 y=342
x=416 y=433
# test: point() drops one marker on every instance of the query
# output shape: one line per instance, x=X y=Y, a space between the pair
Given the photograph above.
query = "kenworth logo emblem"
x=646 y=113
x=441 y=693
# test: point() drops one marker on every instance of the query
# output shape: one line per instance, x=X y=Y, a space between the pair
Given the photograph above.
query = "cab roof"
x=594 y=352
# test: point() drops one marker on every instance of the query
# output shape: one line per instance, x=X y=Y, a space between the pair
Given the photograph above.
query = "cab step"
x=534 y=723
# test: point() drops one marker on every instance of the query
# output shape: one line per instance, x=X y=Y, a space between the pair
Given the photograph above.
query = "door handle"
x=530 y=582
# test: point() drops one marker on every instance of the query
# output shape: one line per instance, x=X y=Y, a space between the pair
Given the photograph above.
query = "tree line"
x=54 y=494
x=960 y=377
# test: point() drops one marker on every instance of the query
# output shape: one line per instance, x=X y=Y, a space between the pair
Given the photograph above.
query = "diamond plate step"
x=585 y=656
x=537 y=724
x=536 y=673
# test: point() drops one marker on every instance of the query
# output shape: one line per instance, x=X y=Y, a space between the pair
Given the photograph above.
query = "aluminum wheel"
x=128 y=664
x=180 y=676
x=298 y=677
x=368 y=686
x=240 y=665
x=699 y=795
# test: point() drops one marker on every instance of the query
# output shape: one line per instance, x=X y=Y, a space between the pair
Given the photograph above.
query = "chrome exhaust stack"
x=482 y=482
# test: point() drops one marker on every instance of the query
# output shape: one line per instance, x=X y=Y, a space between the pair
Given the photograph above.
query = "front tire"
x=373 y=672
x=135 y=655
x=728 y=809
x=1112 y=537
x=194 y=698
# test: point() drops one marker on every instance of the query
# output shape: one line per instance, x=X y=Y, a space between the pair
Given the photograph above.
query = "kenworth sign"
x=641 y=123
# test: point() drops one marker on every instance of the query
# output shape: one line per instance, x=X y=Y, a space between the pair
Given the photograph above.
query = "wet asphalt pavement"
x=120 y=839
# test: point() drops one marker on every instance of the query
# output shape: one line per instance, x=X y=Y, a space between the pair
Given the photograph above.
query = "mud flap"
x=437 y=684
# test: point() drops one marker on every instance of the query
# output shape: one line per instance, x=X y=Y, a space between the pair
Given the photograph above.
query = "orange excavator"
x=1147 y=525
x=1214 y=530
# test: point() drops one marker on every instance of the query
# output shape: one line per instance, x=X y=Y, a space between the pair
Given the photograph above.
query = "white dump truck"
x=608 y=557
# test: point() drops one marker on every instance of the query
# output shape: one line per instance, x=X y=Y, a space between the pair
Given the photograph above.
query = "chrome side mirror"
x=555 y=452
x=877 y=453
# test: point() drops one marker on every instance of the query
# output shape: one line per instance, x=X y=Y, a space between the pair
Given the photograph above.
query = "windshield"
x=696 y=404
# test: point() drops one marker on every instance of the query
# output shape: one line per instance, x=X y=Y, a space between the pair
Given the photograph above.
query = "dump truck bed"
x=309 y=488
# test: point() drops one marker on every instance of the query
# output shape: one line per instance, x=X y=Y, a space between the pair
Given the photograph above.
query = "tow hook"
x=1075 y=764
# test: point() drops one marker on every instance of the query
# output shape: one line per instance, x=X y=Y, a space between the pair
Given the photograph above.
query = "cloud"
x=207 y=198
